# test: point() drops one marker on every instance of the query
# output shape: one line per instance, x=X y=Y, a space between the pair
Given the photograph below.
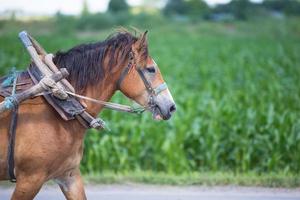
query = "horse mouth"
x=158 y=115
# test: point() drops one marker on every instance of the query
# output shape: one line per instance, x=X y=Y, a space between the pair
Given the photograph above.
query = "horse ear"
x=140 y=48
x=141 y=42
x=144 y=37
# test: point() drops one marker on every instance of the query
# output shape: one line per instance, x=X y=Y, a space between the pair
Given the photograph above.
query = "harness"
x=68 y=108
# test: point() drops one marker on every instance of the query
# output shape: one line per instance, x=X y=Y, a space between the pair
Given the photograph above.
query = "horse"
x=49 y=148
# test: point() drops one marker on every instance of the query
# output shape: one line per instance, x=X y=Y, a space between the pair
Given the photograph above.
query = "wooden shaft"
x=49 y=63
x=40 y=50
x=35 y=89
x=33 y=47
x=33 y=53
x=48 y=59
x=36 y=59
x=45 y=56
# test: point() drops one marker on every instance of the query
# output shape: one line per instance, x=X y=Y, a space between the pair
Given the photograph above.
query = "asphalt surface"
x=155 y=192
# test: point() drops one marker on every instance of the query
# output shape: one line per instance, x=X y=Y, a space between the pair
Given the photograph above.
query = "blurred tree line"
x=120 y=13
x=238 y=9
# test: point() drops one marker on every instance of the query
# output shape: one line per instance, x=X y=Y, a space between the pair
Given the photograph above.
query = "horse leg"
x=27 y=187
x=71 y=185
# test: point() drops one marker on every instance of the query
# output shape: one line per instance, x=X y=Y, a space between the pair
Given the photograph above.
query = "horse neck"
x=106 y=86
x=103 y=91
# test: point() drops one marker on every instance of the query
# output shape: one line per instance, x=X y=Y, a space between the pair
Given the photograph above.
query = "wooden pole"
x=48 y=59
x=61 y=94
x=33 y=53
x=37 y=46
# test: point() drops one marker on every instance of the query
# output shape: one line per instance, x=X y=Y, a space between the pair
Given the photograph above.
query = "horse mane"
x=85 y=62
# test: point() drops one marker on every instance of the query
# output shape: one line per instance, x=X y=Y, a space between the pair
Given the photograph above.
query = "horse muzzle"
x=164 y=106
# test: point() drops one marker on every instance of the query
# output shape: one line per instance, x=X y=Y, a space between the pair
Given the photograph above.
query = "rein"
x=110 y=105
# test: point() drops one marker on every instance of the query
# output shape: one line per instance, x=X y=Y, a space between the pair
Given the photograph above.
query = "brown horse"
x=48 y=147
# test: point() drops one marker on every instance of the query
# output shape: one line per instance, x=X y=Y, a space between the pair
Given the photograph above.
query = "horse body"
x=43 y=150
x=48 y=147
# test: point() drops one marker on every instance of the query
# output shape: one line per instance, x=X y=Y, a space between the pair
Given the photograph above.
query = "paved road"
x=150 y=192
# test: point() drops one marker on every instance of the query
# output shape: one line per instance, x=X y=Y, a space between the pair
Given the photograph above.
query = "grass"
x=275 y=180
x=197 y=178
x=237 y=91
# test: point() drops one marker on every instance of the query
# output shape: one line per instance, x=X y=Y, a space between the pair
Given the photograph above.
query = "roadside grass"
x=273 y=180
x=285 y=180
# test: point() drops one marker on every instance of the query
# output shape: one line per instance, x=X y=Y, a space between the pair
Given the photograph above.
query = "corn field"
x=237 y=89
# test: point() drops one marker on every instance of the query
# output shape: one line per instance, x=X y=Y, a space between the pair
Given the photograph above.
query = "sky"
x=48 y=7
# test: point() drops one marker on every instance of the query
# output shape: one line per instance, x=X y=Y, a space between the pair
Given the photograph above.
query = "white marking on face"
x=154 y=62
x=165 y=97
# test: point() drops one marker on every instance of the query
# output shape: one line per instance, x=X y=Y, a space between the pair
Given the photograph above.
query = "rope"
x=110 y=105
x=97 y=122
x=50 y=85
x=11 y=102
x=10 y=78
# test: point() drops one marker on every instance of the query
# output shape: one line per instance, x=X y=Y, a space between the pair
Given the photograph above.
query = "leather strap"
x=12 y=134
x=123 y=75
x=146 y=82
x=160 y=88
x=11 y=145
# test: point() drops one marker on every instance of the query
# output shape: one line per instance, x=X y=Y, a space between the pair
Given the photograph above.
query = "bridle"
x=152 y=92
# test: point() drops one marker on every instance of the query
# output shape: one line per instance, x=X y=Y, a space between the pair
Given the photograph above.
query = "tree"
x=176 y=7
x=289 y=7
x=116 y=6
x=197 y=8
x=85 y=8
x=192 y=8
x=240 y=9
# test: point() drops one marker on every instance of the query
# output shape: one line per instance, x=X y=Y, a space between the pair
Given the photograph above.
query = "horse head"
x=121 y=62
x=142 y=81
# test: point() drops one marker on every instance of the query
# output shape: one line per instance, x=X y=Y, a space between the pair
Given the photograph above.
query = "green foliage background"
x=237 y=89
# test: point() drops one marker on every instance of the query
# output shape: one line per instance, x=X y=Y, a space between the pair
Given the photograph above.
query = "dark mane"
x=85 y=62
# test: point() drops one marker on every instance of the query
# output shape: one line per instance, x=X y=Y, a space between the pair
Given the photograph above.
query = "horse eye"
x=150 y=69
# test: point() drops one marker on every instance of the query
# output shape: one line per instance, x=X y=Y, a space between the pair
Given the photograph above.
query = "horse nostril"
x=172 y=108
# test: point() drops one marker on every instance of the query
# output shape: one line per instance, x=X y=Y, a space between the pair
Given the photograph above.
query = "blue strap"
x=10 y=78
x=160 y=88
